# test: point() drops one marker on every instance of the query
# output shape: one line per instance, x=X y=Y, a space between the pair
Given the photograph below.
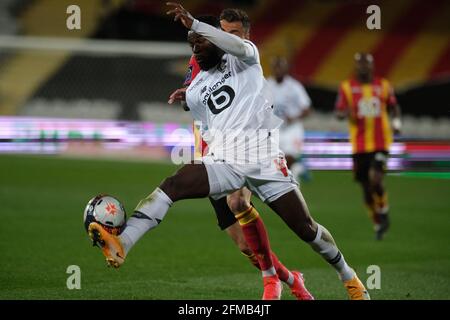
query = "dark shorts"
x=362 y=162
x=225 y=217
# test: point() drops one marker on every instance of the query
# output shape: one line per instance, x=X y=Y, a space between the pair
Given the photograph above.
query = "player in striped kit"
x=366 y=101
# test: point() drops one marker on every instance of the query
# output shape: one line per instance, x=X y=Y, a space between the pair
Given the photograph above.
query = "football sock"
x=381 y=202
x=372 y=212
x=283 y=273
x=256 y=236
x=269 y=272
x=324 y=245
x=253 y=259
x=147 y=215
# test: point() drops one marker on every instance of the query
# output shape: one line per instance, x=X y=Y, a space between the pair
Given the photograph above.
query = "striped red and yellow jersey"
x=368 y=104
x=193 y=70
x=200 y=146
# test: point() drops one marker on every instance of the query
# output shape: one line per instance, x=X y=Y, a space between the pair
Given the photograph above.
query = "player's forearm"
x=396 y=112
x=227 y=42
x=396 y=118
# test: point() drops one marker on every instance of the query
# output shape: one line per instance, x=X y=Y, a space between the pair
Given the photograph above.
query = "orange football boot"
x=356 y=289
x=110 y=244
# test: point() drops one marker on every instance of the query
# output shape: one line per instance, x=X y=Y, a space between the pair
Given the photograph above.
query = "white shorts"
x=291 y=139
x=268 y=182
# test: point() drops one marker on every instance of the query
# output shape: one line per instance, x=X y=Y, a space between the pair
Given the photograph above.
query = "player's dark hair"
x=236 y=15
x=209 y=19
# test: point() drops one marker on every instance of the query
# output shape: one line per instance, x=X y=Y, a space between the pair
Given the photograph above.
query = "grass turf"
x=187 y=257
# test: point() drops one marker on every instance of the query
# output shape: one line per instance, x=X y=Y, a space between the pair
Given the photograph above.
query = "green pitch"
x=187 y=257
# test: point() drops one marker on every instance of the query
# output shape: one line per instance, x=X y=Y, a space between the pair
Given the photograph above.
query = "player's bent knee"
x=238 y=204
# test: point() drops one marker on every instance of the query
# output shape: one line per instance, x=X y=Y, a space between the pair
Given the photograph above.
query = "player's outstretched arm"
x=230 y=43
x=242 y=49
x=180 y=14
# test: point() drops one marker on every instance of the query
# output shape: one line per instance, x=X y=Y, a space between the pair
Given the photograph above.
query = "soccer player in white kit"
x=292 y=104
x=230 y=95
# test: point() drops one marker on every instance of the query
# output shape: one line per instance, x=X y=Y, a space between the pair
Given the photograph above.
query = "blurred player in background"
x=292 y=104
x=366 y=101
x=237 y=22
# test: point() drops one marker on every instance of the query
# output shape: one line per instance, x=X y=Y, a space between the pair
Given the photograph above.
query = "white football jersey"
x=234 y=105
x=290 y=98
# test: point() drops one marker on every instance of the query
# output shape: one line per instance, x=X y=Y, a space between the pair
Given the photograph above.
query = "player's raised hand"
x=177 y=95
x=180 y=14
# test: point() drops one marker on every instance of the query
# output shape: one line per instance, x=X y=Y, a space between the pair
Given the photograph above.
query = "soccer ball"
x=107 y=211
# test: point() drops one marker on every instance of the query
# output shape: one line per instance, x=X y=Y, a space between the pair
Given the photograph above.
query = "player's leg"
x=379 y=194
x=190 y=181
x=256 y=236
x=369 y=200
x=293 y=279
x=292 y=208
x=228 y=223
x=255 y=233
x=361 y=168
x=252 y=227
x=235 y=233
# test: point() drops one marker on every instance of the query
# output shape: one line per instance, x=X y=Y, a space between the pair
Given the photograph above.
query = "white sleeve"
x=242 y=49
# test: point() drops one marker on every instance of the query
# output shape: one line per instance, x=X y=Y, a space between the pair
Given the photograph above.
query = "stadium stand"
x=319 y=37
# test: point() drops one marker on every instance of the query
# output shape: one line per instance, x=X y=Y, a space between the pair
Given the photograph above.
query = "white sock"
x=269 y=272
x=290 y=280
x=324 y=245
x=147 y=215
